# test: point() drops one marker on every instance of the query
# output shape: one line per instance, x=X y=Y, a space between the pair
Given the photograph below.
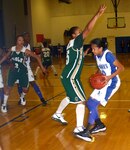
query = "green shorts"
x=22 y=76
x=47 y=63
x=74 y=89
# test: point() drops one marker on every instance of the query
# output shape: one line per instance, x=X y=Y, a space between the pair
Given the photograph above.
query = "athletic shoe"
x=4 y=108
x=59 y=118
x=22 y=101
x=78 y=129
x=85 y=135
x=43 y=102
x=98 y=128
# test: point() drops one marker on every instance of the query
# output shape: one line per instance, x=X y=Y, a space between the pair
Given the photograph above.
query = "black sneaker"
x=85 y=135
x=43 y=102
x=98 y=128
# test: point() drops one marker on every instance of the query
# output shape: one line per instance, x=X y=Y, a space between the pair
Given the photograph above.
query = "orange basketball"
x=97 y=81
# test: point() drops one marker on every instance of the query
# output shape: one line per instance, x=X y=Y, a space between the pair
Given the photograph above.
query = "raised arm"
x=92 y=22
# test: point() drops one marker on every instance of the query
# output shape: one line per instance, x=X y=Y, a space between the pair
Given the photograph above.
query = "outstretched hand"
x=101 y=10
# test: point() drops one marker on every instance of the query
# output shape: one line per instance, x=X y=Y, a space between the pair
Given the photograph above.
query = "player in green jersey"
x=46 y=59
x=71 y=74
x=18 y=69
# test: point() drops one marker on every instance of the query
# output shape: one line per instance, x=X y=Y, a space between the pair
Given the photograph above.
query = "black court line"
x=21 y=115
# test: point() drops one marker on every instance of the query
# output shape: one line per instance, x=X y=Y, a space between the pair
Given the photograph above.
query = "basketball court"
x=30 y=127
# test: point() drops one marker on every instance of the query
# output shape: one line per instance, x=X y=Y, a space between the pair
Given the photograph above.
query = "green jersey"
x=46 y=57
x=18 y=59
x=46 y=54
x=18 y=69
x=74 y=58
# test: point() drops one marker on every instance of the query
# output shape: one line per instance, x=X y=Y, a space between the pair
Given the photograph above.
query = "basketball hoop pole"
x=115 y=5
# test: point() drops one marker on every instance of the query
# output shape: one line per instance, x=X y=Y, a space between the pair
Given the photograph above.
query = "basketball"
x=97 y=81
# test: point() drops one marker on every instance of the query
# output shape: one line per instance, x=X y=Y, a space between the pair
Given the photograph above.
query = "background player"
x=18 y=70
x=30 y=73
x=71 y=74
x=110 y=67
x=46 y=59
x=1 y=80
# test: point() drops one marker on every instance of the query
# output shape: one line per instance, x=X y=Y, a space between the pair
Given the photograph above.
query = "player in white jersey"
x=108 y=65
x=30 y=73
x=1 y=87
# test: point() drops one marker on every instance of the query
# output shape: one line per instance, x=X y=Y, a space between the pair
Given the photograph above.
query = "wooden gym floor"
x=30 y=127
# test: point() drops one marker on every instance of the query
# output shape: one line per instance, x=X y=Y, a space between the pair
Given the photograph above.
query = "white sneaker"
x=22 y=101
x=59 y=118
x=4 y=108
x=78 y=129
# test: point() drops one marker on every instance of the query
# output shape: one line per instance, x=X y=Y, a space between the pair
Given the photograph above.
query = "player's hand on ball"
x=98 y=81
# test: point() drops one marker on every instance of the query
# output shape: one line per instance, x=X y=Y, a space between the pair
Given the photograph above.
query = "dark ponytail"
x=68 y=33
x=72 y=30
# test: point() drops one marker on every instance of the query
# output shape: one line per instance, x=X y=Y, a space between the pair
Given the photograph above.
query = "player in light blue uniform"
x=110 y=67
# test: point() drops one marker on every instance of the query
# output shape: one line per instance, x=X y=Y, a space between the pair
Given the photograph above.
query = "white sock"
x=80 y=112
x=63 y=105
x=5 y=100
x=22 y=95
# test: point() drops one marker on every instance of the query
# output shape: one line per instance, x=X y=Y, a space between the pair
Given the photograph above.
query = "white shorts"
x=104 y=94
x=1 y=80
x=30 y=74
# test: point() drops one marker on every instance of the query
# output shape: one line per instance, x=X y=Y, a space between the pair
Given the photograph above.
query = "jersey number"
x=46 y=54
x=16 y=65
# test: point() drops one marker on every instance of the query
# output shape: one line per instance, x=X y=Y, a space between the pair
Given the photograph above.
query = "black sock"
x=98 y=121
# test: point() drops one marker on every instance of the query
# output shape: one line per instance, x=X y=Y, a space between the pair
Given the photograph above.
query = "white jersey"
x=106 y=66
x=30 y=73
x=13 y=49
x=28 y=58
x=1 y=79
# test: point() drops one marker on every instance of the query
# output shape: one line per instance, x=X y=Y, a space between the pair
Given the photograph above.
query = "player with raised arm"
x=70 y=76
